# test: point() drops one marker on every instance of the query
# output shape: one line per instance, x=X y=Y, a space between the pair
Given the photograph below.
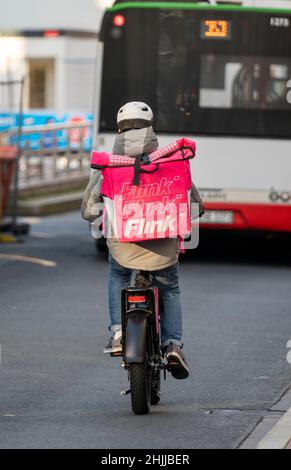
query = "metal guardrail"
x=57 y=151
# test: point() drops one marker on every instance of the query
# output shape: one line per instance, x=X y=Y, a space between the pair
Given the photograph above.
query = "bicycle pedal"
x=172 y=365
x=119 y=354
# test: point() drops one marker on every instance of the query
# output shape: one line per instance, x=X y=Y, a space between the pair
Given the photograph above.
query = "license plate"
x=217 y=217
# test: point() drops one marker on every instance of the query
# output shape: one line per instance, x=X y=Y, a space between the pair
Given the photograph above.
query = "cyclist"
x=135 y=137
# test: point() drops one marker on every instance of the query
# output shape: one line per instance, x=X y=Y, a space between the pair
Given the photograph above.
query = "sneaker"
x=176 y=362
x=114 y=345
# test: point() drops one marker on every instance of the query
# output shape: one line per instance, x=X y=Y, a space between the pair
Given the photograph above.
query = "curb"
x=280 y=436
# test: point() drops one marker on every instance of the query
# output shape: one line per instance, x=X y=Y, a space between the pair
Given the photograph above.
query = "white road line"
x=280 y=436
x=41 y=235
x=31 y=220
x=27 y=259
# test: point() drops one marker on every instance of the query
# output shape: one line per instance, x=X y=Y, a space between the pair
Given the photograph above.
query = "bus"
x=220 y=74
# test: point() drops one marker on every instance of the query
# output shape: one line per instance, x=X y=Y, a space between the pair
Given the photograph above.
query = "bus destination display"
x=216 y=29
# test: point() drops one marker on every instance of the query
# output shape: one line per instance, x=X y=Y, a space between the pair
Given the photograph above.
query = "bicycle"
x=141 y=346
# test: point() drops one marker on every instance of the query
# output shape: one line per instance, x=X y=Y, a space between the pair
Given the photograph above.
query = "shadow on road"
x=241 y=248
x=237 y=248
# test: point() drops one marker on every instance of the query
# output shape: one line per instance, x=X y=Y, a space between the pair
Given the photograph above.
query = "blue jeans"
x=167 y=280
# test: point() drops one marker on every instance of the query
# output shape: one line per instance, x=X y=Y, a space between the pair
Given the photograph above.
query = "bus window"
x=173 y=87
x=244 y=82
x=198 y=84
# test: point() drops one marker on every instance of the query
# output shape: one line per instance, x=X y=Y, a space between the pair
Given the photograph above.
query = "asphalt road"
x=57 y=389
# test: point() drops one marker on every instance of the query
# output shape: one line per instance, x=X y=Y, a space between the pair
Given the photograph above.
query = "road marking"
x=26 y=259
x=280 y=435
x=31 y=220
x=41 y=235
x=6 y=238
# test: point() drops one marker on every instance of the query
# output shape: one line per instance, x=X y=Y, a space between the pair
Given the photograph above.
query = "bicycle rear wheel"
x=141 y=387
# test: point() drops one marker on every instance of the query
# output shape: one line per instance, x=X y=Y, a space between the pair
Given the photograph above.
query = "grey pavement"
x=57 y=389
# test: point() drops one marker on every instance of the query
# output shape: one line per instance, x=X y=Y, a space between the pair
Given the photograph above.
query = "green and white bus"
x=220 y=74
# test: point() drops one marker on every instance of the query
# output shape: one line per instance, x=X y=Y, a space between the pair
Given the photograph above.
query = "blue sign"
x=63 y=140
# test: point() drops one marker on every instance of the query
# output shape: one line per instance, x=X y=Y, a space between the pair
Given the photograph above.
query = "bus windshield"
x=203 y=72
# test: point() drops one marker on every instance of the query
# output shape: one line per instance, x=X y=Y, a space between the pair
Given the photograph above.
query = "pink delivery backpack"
x=147 y=197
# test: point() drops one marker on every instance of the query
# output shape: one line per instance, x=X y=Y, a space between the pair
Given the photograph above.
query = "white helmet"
x=135 y=114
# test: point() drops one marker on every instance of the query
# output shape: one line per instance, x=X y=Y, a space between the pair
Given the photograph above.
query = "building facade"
x=54 y=45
